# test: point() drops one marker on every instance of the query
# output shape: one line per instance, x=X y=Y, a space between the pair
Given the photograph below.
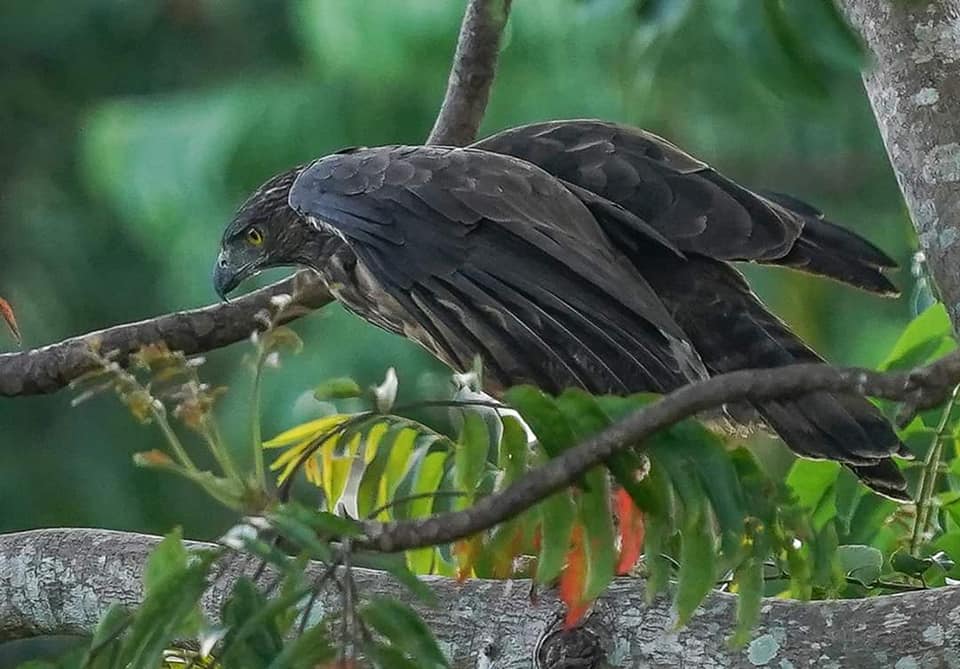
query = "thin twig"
x=412 y=498
x=924 y=387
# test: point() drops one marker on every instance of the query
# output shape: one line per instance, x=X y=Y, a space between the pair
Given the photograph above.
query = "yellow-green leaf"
x=306 y=430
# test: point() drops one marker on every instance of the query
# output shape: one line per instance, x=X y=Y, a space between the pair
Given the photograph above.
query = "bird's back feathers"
x=696 y=208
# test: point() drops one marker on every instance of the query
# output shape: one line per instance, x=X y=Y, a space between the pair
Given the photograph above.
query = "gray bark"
x=914 y=88
x=60 y=581
x=472 y=73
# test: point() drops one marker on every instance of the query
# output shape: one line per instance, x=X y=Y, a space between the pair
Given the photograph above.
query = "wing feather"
x=491 y=255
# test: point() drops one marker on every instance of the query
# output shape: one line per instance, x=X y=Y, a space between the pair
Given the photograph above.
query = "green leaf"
x=749 y=581
x=827 y=572
x=106 y=638
x=322 y=522
x=950 y=544
x=617 y=408
x=311 y=649
x=802 y=64
x=861 y=563
x=337 y=389
x=718 y=478
x=697 y=567
x=514 y=450
x=400 y=453
x=925 y=338
x=261 y=640
x=169 y=557
x=848 y=494
x=301 y=535
x=557 y=515
x=428 y=477
x=582 y=412
x=588 y=417
x=267 y=552
x=593 y=503
x=869 y=518
x=544 y=417
x=167 y=612
x=405 y=630
x=812 y=482
x=385 y=656
x=655 y=548
x=596 y=516
x=472 y=449
x=905 y=563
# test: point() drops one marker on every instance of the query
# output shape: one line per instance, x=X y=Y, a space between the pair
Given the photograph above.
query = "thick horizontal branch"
x=61 y=581
x=922 y=387
x=48 y=369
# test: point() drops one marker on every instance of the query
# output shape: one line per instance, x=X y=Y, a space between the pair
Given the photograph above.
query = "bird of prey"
x=569 y=254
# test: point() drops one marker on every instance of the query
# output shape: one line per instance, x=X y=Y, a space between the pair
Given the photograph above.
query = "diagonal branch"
x=921 y=388
x=50 y=368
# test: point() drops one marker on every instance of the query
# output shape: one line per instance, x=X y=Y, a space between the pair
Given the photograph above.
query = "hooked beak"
x=225 y=278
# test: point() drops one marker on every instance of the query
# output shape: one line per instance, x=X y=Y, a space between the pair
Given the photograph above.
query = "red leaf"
x=631 y=528
x=6 y=311
x=466 y=552
x=573 y=579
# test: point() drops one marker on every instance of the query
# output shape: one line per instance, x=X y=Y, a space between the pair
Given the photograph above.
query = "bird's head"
x=265 y=232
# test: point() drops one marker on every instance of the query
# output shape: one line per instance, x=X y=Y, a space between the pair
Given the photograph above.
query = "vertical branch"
x=471 y=75
x=914 y=88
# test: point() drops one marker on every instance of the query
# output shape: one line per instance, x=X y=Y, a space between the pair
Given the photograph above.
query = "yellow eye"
x=254 y=237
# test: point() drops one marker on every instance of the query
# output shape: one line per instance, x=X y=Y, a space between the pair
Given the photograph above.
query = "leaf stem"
x=256 y=434
x=928 y=479
x=160 y=415
x=212 y=435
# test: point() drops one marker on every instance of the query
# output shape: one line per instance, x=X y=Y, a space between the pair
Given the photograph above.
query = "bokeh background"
x=129 y=131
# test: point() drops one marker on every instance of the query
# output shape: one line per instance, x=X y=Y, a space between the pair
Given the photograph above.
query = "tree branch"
x=914 y=88
x=921 y=388
x=472 y=73
x=50 y=368
x=61 y=581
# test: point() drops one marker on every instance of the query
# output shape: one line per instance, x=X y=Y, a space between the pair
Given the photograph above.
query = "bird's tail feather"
x=829 y=250
x=715 y=299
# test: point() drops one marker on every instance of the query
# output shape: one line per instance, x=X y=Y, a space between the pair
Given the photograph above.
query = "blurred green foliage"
x=132 y=129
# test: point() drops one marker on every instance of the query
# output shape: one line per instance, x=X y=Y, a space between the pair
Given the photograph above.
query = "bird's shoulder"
x=367 y=170
x=403 y=187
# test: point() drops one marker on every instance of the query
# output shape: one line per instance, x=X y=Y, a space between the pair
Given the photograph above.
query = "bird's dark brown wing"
x=485 y=254
x=696 y=208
